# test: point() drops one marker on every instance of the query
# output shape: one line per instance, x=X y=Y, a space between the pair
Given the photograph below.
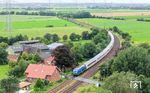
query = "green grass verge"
x=49 y=87
x=88 y=88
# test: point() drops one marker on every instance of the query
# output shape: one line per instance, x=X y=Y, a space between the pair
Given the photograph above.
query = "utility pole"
x=8 y=16
x=50 y=5
x=78 y=5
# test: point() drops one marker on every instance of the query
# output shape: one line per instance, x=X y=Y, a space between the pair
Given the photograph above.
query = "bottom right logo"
x=135 y=84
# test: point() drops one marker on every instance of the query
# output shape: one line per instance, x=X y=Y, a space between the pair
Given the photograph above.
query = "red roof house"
x=50 y=60
x=44 y=72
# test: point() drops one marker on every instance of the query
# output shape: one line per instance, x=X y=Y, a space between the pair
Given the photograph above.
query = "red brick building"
x=44 y=72
x=49 y=61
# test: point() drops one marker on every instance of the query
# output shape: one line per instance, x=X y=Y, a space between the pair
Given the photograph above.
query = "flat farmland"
x=37 y=26
x=110 y=14
x=138 y=30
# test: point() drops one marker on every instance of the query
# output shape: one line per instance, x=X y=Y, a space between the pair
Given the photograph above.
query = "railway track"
x=69 y=86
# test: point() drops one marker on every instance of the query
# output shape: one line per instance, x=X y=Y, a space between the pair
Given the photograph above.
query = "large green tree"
x=3 y=45
x=78 y=52
x=146 y=85
x=3 y=56
x=9 y=85
x=39 y=84
x=146 y=46
x=120 y=82
x=19 y=69
x=65 y=37
x=89 y=50
x=48 y=36
x=134 y=59
x=55 y=38
x=64 y=57
x=102 y=38
x=85 y=35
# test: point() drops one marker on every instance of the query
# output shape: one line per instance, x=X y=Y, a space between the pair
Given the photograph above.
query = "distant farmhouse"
x=33 y=47
x=44 y=72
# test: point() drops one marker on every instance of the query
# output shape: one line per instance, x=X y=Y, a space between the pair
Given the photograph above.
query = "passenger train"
x=97 y=58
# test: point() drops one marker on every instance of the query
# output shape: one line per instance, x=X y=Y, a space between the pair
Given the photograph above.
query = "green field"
x=36 y=26
x=4 y=71
x=140 y=31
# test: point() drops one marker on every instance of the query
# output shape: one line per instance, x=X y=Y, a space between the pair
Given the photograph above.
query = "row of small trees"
x=41 y=13
x=81 y=14
x=144 y=20
x=113 y=18
x=12 y=40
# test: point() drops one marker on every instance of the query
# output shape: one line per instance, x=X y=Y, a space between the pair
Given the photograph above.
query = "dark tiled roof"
x=44 y=55
x=16 y=48
x=54 y=45
x=19 y=48
x=38 y=46
x=29 y=42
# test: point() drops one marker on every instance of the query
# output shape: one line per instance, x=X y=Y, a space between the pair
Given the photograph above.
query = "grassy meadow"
x=37 y=26
x=4 y=71
x=140 y=31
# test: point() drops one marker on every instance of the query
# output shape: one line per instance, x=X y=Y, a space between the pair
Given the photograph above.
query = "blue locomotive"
x=78 y=71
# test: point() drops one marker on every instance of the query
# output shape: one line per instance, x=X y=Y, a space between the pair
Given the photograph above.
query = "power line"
x=8 y=16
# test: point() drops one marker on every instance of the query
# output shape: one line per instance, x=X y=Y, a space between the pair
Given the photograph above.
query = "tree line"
x=113 y=18
x=144 y=20
x=41 y=13
x=81 y=14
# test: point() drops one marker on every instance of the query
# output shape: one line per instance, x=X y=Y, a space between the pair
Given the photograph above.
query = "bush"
x=49 y=26
x=39 y=84
x=12 y=64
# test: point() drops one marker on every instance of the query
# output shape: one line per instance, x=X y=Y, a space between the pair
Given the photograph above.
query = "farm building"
x=24 y=85
x=32 y=48
x=29 y=47
x=44 y=72
x=29 y=42
x=53 y=46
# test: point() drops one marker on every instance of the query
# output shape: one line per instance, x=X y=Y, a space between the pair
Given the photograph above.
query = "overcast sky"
x=81 y=1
